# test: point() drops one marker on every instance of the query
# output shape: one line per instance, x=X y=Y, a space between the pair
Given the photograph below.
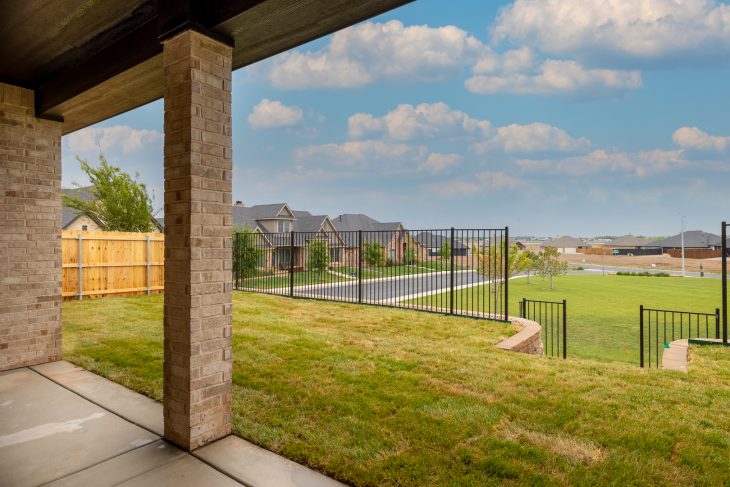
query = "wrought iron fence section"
x=453 y=271
x=659 y=327
x=553 y=319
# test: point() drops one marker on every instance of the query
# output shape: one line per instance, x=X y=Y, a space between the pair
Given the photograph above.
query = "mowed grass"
x=376 y=396
x=603 y=311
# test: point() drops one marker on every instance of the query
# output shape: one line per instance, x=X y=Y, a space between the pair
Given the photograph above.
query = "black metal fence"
x=723 y=244
x=553 y=318
x=659 y=327
x=455 y=271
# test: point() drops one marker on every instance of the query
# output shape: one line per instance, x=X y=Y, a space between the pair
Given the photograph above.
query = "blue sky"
x=585 y=117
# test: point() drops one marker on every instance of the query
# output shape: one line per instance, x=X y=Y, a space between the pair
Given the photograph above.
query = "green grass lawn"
x=603 y=311
x=376 y=396
x=282 y=280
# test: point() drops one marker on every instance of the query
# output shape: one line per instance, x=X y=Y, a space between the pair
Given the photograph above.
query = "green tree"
x=318 y=257
x=372 y=253
x=445 y=252
x=490 y=264
x=246 y=253
x=550 y=266
x=530 y=263
x=119 y=203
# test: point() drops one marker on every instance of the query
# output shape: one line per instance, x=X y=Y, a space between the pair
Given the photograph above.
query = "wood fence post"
x=81 y=267
x=149 y=267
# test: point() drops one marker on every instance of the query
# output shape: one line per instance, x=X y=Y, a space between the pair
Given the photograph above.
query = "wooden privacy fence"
x=99 y=264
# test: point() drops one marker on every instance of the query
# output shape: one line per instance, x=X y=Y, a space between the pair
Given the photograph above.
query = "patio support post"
x=30 y=232
x=198 y=239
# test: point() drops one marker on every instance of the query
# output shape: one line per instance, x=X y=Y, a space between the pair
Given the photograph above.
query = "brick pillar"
x=198 y=238
x=30 y=232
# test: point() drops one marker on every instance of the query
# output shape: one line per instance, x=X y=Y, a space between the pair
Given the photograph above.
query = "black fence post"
x=291 y=263
x=724 y=283
x=641 y=335
x=717 y=322
x=236 y=255
x=451 y=274
x=522 y=308
x=565 y=329
x=506 y=273
x=359 y=266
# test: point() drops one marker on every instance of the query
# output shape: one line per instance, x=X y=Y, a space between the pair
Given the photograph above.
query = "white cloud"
x=498 y=180
x=116 y=137
x=361 y=153
x=694 y=138
x=451 y=189
x=618 y=30
x=436 y=162
x=274 y=114
x=408 y=122
x=371 y=51
x=534 y=137
x=640 y=163
x=551 y=77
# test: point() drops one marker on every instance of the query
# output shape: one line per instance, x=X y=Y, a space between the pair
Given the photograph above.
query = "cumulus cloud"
x=534 y=137
x=694 y=138
x=274 y=114
x=116 y=137
x=437 y=163
x=551 y=77
x=451 y=189
x=372 y=51
x=598 y=161
x=361 y=153
x=498 y=180
x=408 y=122
x=617 y=30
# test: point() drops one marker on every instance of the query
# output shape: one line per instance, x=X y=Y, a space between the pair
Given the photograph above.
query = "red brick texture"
x=198 y=237
x=30 y=232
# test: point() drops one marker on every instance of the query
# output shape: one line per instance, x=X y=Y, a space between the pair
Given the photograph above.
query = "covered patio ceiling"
x=88 y=60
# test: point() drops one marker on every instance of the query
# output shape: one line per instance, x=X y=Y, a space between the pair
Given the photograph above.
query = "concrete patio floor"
x=64 y=426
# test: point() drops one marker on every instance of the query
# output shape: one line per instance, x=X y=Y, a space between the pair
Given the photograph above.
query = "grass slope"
x=603 y=311
x=376 y=396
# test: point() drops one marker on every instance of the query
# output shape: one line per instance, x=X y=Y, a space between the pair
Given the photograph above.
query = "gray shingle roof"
x=432 y=240
x=631 y=241
x=349 y=224
x=564 y=242
x=696 y=239
x=68 y=215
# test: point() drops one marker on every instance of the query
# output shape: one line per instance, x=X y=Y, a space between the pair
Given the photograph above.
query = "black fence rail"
x=659 y=327
x=454 y=271
x=553 y=318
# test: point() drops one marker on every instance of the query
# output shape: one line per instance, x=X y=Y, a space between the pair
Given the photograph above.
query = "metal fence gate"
x=553 y=319
x=454 y=271
x=659 y=327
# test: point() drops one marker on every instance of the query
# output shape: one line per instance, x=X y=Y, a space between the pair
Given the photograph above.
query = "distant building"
x=391 y=236
x=432 y=243
x=565 y=244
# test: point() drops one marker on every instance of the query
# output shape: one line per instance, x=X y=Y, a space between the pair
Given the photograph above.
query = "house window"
x=334 y=254
x=284 y=226
x=84 y=228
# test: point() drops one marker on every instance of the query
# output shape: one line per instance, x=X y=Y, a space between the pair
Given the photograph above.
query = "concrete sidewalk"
x=64 y=426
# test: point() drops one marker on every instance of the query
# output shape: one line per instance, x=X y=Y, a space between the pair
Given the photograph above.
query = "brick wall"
x=30 y=232
x=198 y=238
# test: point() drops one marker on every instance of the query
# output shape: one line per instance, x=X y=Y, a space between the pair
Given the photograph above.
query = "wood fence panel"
x=112 y=263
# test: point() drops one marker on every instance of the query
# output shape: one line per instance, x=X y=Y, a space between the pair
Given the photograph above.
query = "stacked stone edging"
x=527 y=340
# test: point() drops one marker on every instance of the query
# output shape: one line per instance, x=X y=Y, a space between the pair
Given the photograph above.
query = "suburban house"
x=275 y=222
x=72 y=220
x=432 y=243
x=697 y=245
x=631 y=245
x=565 y=244
x=391 y=236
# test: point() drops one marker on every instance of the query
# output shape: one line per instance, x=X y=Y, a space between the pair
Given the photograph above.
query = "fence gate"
x=553 y=318
x=659 y=327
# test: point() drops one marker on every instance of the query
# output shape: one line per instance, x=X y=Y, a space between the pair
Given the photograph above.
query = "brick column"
x=30 y=232
x=198 y=237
